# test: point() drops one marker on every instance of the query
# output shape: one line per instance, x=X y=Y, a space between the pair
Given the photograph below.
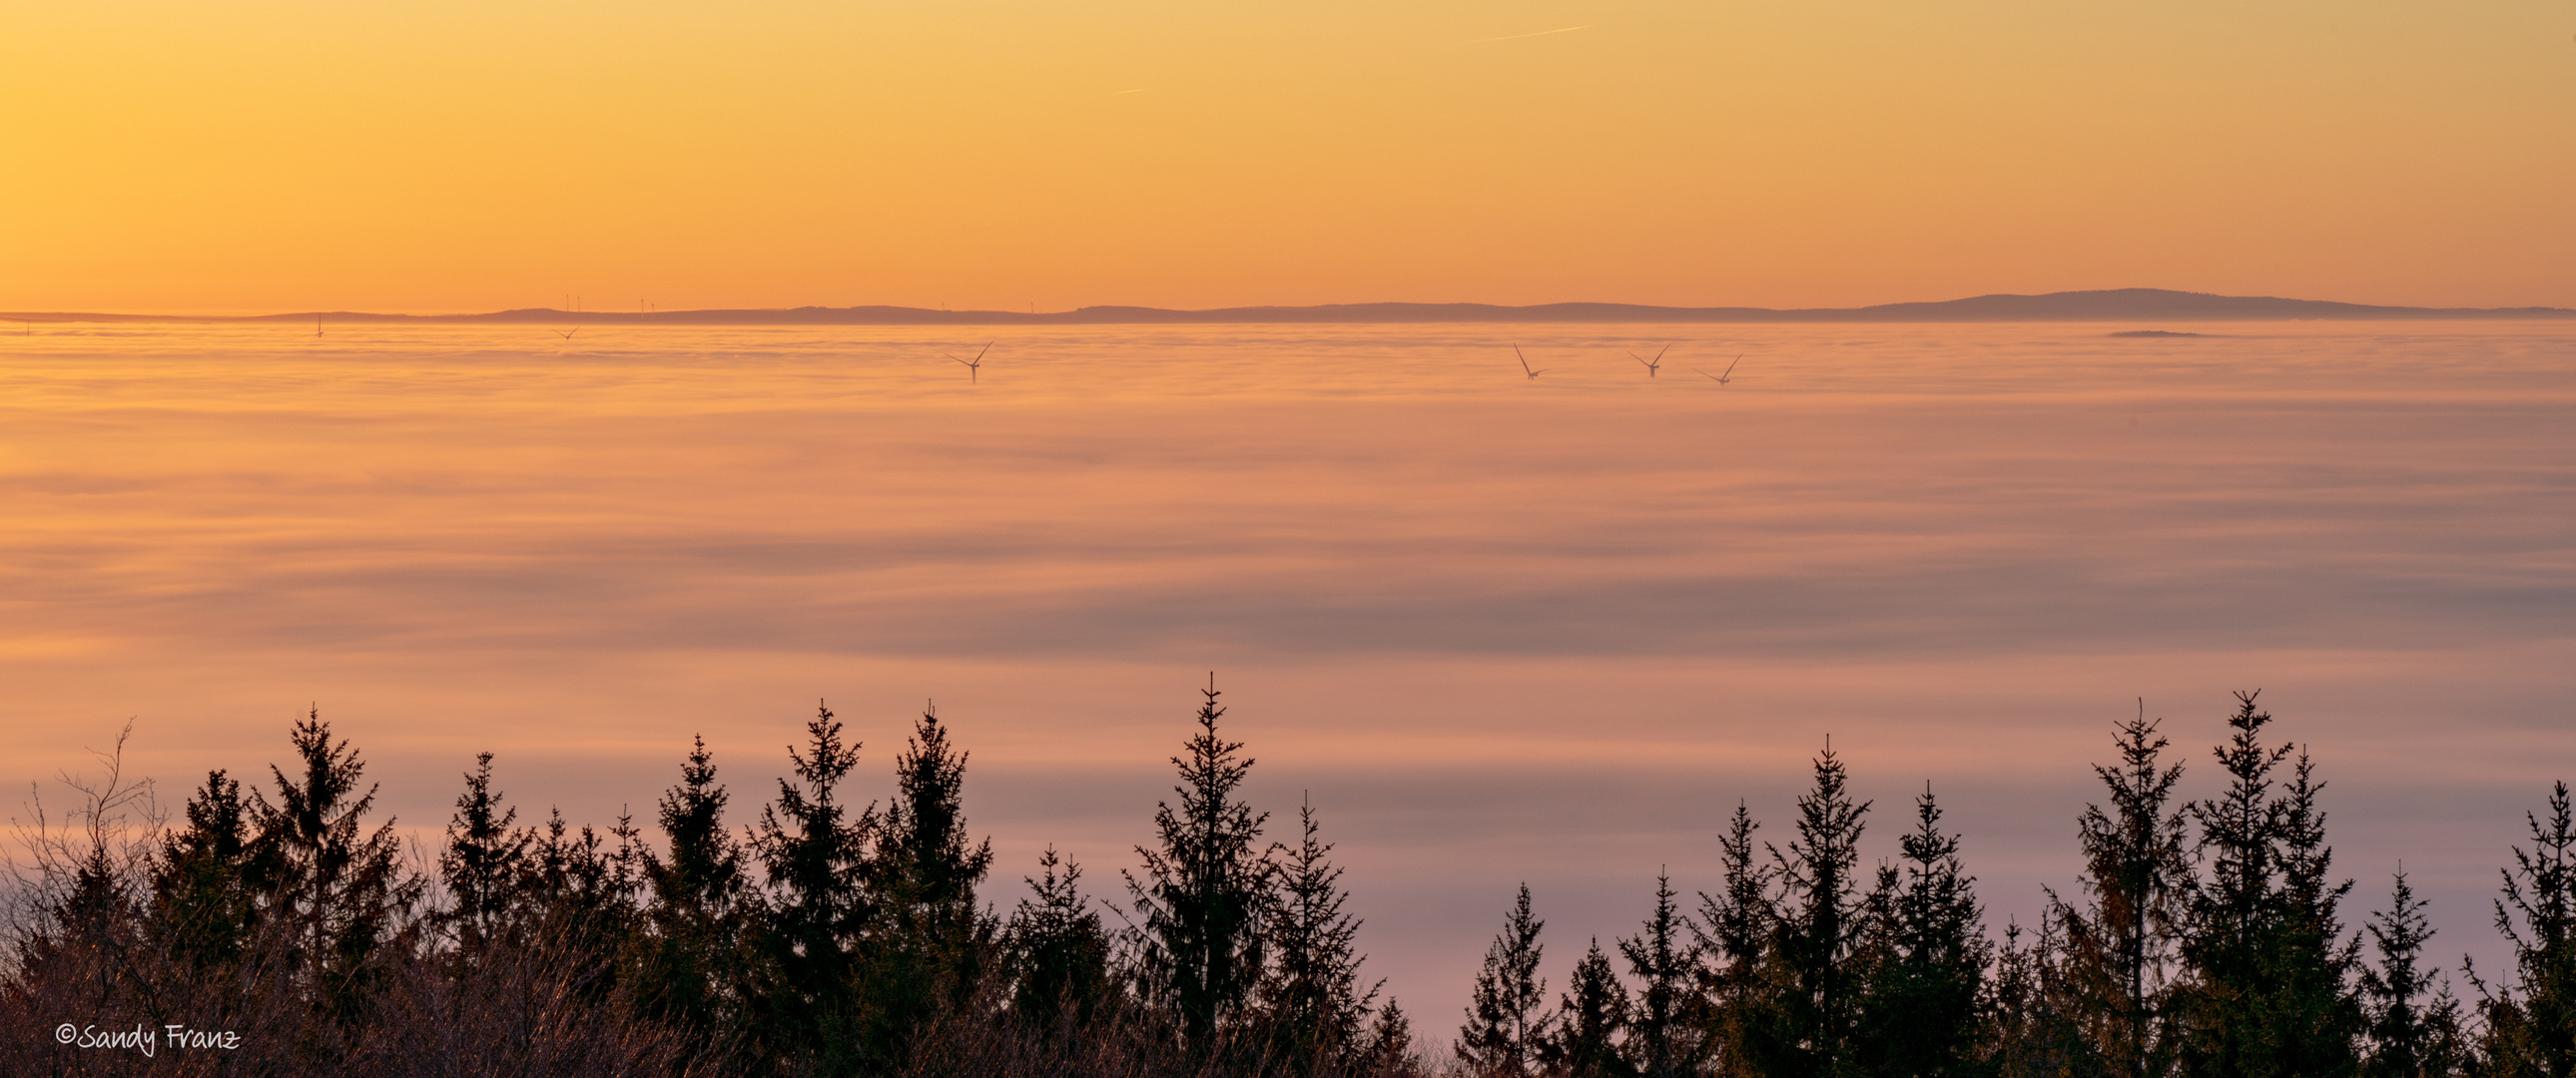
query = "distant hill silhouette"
x=2106 y=305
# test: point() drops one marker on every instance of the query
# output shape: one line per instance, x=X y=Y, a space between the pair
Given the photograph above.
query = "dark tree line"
x=2204 y=939
x=809 y=935
x=817 y=937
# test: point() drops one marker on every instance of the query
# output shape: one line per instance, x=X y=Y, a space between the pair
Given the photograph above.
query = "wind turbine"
x=1650 y=367
x=1525 y=367
x=1720 y=379
x=975 y=370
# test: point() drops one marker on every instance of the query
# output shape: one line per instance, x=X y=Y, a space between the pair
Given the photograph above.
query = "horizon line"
x=2103 y=305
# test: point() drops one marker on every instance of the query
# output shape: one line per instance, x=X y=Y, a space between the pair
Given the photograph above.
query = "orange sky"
x=465 y=155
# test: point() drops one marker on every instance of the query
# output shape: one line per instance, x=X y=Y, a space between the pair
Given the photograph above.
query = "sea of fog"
x=1497 y=629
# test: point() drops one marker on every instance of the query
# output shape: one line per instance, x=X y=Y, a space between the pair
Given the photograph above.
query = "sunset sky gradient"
x=1502 y=629
x=463 y=155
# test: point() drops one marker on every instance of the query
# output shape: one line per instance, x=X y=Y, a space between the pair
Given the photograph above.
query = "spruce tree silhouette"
x=2136 y=876
x=1819 y=933
x=484 y=862
x=2317 y=1020
x=1734 y=932
x=1205 y=890
x=1389 y=1052
x=2269 y=994
x=1921 y=1010
x=924 y=856
x=573 y=874
x=1059 y=951
x=207 y=877
x=2034 y=1029
x=816 y=858
x=1593 y=1022
x=1312 y=1005
x=2531 y=1021
x=339 y=889
x=2414 y=1022
x=1663 y=1025
x=1505 y=1028
x=693 y=956
x=932 y=938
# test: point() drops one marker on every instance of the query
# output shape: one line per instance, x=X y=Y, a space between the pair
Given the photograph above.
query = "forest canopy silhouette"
x=279 y=926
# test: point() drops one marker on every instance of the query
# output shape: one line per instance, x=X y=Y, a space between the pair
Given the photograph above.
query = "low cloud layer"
x=1485 y=618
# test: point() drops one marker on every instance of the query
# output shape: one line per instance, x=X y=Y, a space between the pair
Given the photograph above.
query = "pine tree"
x=1663 y=1029
x=2136 y=874
x=1059 y=951
x=815 y=856
x=2531 y=1022
x=1594 y=1023
x=339 y=890
x=483 y=863
x=1389 y=1048
x=1206 y=888
x=578 y=899
x=1808 y=1032
x=208 y=876
x=693 y=956
x=1734 y=932
x=1311 y=999
x=573 y=878
x=2414 y=1023
x=1505 y=1028
x=2034 y=1029
x=925 y=852
x=2316 y=1013
x=932 y=938
x=1921 y=1009
x=2269 y=997
x=2231 y=910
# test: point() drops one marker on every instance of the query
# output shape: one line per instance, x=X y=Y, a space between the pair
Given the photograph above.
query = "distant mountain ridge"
x=2104 y=305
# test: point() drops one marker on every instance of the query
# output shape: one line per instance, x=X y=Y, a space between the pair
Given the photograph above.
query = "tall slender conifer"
x=1735 y=930
x=1815 y=996
x=1595 y=1022
x=2120 y=947
x=1921 y=1011
x=1664 y=1026
x=484 y=861
x=2414 y=1023
x=1505 y=1025
x=815 y=855
x=2531 y=1020
x=1313 y=1005
x=2269 y=994
x=339 y=888
x=1205 y=890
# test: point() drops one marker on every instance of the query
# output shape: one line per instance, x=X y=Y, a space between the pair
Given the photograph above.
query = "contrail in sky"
x=1542 y=33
